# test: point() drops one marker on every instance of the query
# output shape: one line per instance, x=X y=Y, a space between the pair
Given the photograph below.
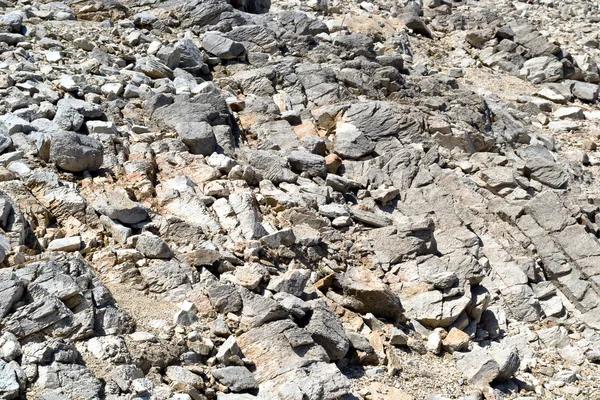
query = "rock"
x=11 y=290
x=180 y=377
x=152 y=246
x=292 y=281
x=229 y=353
x=76 y=153
x=350 y=142
x=36 y=316
x=508 y=362
x=72 y=243
x=153 y=68
x=411 y=19
x=312 y=164
x=327 y=331
x=191 y=58
x=434 y=342
x=116 y=204
x=270 y=350
x=370 y=218
x=237 y=379
x=456 y=340
x=5 y=140
x=187 y=315
x=10 y=348
x=547 y=173
x=585 y=91
x=224 y=297
x=9 y=383
x=373 y=295
x=569 y=112
x=198 y=137
x=284 y=237
x=222 y=47
x=477 y=366
x=124 y=375
x=542 y=69
x=258 y=310
x=270 y=167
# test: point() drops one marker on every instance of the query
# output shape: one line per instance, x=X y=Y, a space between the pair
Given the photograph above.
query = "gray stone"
x=5 y=140
x=585 y=91
x=350 y=142
x=9 y=382
x=327 y=330
x=284 y=237
x=152 y=246
x=197 y=136
x=244 y=206
x=477 y=366
x=370 y=218
x=372 y=294
x=72 y=243
x=181 y=376
x=11 y=39
x=153 y=68
x=312 y=164
x=237 y=379
x=224 y=297
x=259 y=310
x=116 y=204
x=76 y=153
x=123 y=375
x=292 y=281
x=10 y=348
x=549 y=173
x=191 y=58
x=35 y=317
x=508 y=362
x=269 y=349
x=223 y=47
x=11 y=290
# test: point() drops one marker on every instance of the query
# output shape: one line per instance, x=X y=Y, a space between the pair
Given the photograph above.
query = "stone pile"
x=240 y=200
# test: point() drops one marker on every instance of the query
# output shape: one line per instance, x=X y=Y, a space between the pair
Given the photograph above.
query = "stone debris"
x=265 y=199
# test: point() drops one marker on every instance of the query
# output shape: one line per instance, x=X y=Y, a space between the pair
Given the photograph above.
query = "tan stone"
x=456 y=340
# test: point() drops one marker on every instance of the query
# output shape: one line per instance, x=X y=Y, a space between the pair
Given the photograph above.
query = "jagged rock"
x=223 y=47
x=372 y=294
x=198 y=137
x=180 y=377
x=312 y=164
x=224 y=297
x=72 y=243
x=270 y=350
x=292 y=282
x=327 y=331
x=153 y=68
x=116 y=204
x=350 y=142
x=153 y=247
x=9 y=383
x=237 y=379
x=34 y=317
x=75 y=153
x=477 y=366
x=11 y=290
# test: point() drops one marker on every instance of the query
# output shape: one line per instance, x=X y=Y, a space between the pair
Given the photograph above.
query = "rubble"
x=322 y=200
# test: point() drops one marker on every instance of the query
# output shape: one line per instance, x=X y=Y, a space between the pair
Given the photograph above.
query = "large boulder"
x=369 y=293
x=76 y=153
x=117 y=205
x=198 y=137
x=222 y=47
